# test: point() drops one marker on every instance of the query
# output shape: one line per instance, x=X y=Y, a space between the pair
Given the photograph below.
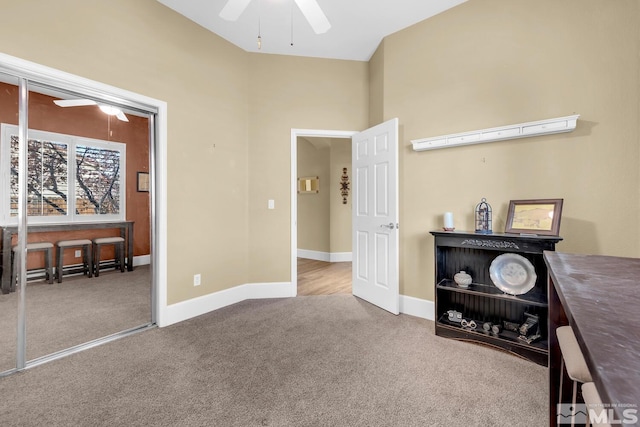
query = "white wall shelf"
x=522 y=130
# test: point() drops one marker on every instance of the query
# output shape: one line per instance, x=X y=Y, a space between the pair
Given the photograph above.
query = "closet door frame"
x=28 y=72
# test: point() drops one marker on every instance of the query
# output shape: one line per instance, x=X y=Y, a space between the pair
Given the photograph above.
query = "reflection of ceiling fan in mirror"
x=107 y=109
x=309 y=8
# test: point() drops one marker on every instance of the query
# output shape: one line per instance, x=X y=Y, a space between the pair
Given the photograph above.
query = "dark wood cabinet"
x=482 y=301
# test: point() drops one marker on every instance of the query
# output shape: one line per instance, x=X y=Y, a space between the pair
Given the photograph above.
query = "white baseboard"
x=417 y=307
x=270 y=290
x=340 y=257
x=325 y=256
x=316 y=255
x=141 y=260
x=185 y=310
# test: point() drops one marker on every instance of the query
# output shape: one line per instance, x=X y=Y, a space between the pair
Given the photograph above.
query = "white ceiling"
x=357 y=26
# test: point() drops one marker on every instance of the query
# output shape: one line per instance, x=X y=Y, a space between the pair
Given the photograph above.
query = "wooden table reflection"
x=7 y=233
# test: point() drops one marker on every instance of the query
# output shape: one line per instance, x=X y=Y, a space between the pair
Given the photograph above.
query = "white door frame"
x=295 y=133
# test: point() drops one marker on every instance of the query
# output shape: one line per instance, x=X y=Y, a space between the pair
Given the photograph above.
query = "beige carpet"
x=75 y=311
x=305 y=361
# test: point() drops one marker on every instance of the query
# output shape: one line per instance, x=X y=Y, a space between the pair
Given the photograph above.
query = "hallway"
x=323 y=278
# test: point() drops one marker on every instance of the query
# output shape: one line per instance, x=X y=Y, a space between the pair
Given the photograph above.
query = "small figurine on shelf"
x=510 y=326
x=469 y=324
x=531 y=325
x=454 y=316
x=483 y=217
x=530 y=339
x=462 y=279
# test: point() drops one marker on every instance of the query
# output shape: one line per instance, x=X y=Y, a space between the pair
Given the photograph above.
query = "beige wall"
x=490 y=63
x=340 y=230
x=376 y=86
x=314 y=224
x=484 y=63
x=324 y=222
x=291 y=92
x=214 y=90
x=147 y=48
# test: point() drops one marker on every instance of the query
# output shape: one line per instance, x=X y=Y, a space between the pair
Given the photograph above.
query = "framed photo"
x=309 y=184
x=143 y=182
x=538 y=216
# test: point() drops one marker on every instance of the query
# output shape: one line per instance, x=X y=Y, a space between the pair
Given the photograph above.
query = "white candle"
x=448 y=220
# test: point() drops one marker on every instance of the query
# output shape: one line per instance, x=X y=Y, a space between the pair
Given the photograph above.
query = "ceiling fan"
x=309 y=8
x=107 y=109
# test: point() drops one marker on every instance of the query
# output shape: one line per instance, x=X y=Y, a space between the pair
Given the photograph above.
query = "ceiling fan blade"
x=73 y=102
x=316 y=17
x=233 y=9
x=121 y=116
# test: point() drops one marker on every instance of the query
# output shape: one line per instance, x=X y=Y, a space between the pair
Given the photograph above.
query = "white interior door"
x=375 y=216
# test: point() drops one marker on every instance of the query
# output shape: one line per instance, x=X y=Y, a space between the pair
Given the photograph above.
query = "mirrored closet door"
x=8 y=300
x=88 y=207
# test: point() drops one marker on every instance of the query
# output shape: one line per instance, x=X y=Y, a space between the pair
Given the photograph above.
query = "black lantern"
x=483 y=217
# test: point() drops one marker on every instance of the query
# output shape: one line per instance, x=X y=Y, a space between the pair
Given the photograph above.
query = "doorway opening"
x=374 y=224
x=321 y=222
x=324 y=216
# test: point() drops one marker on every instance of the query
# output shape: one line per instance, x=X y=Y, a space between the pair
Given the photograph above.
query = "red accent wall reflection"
x=90 y=122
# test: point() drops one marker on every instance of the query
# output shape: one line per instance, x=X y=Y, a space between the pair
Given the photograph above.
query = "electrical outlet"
x=78 y=254
x=196 y=279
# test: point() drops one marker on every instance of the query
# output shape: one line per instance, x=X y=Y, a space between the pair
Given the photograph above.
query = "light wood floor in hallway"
x=323 y=278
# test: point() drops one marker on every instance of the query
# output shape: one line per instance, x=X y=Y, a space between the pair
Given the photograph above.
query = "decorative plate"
x=512 y=274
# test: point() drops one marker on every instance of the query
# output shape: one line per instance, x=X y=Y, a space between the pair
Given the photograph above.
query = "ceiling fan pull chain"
x=291 y=23
x=259 y=38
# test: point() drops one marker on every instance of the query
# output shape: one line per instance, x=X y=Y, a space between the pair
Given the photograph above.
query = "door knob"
x=390 y=226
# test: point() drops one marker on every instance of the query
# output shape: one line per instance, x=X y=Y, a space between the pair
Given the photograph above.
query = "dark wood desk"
x=7 y=232
x=599 y=297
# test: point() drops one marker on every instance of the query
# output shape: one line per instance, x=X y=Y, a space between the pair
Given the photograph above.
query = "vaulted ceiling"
x=357 y=26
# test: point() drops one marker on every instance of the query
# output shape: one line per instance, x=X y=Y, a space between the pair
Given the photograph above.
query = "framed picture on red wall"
x=143 y=182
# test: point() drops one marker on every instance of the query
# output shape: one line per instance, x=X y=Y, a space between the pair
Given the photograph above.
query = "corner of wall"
x=376 y=85
x=198 y=306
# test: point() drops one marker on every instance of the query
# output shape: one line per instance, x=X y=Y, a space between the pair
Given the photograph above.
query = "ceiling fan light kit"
x=107 y=109
x=113 y=111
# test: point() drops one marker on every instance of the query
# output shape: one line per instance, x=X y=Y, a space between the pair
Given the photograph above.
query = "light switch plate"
x=272 y=204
